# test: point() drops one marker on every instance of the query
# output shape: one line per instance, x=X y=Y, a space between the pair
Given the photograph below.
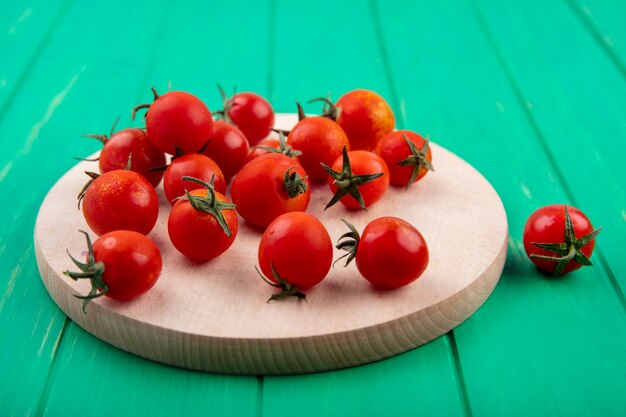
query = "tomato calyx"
x=92 y=271
x=569 y=250
x=417 y=159
x=177 y=154
x=286 y=289
x=283 y=148
x=135 y=109
x=347 y=182
x=301 y=114
x=329 y=110
x=294 y=183
x=227 y=104
x=349 y=243
x=209 y=204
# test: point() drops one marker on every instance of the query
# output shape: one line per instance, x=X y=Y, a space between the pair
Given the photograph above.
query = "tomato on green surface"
x=559 y=238
x=268 y=186
x=250 y=112
x=228 y=148
x=133 y=144
x=364 y=115
x=320 y=140
x=177 y=122
x=407 y=155
x=119 y=200
x=203 y=224
x=390 y=253
x=121 y=265
x=295 y=253
x=358 y=179
x=192 y=165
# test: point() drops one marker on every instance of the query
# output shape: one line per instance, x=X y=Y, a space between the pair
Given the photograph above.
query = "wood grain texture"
x=214 y=316
x=545 y=340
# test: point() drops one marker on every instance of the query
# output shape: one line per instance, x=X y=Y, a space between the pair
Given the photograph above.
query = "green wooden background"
x=532 y=93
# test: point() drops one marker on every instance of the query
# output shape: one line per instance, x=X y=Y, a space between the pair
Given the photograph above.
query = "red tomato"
x=192 y=165
x=364 y=116
x=120 y=200
x=205 y=231
x=251 y=113
x=407 y=155
x=297 y=246
x=118 y=147
x=178 y=120
x=321 y=141
x=121 y=264
x=228 y=147
x=268 y=186
x=391 y=252
x=559 y=238
x=358 y=173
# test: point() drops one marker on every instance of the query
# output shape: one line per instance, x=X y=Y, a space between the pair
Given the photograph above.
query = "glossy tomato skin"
x=365 y=117
x=132 y=263
x=179 y=119
x=321 y=141
x=228 y=148
x=259 y=192
x=135 y=142
x=299 y=248
x=191 y=165
x=391 y=253
x=393 y=149
x=252 y=114
x=120 y=200
x=256 y=150
x=362 y=163
x=196 y=234
x=547 y=225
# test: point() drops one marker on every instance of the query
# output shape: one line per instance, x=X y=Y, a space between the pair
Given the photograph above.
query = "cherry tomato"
x=363 y=115
x=120 y=200
x=228 y=147
x=298 y=249
x=391 y=252
x=119 y=146
x=357 y=173
x=121 y=265
x=559 y=238
x=251 y=113
x=269 y=186
x=193 y=165
x=203 y=225
x=178 y=120
x=407 y=155
x=321 y=141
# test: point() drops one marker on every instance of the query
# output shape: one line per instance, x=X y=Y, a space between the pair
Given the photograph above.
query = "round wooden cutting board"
x=214 y=316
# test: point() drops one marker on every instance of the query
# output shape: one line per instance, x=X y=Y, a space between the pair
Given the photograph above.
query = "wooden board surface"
x=214 y=316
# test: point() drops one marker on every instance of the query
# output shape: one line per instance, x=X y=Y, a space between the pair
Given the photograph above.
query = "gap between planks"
x=523 y=103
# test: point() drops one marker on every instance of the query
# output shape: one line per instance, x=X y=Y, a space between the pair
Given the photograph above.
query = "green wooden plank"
x=25 y=29
x=537 y=346
x=605 y=21
x=577 y=97
x=179 y=57
x=80 y=83
x=334 y=47
x=92 y=379
x=410 y=384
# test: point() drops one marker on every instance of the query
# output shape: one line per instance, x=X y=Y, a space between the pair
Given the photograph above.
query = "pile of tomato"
x=351 y=145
